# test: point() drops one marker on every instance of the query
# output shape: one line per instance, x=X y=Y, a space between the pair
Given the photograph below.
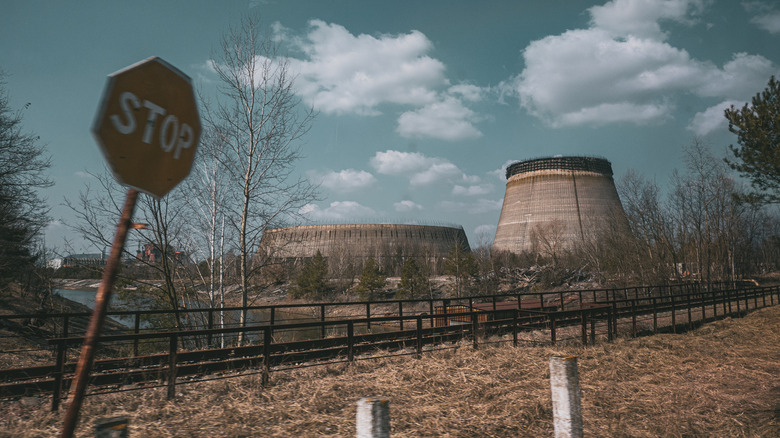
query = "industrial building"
x=361 y=241
x=557 y=203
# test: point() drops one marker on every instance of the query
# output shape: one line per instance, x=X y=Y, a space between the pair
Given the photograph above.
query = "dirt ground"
x=720 y=380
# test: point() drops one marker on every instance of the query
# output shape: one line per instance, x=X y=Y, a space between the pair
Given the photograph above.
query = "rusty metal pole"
x=102 y=299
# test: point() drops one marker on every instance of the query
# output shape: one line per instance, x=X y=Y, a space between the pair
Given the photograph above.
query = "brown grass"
x=720 y=380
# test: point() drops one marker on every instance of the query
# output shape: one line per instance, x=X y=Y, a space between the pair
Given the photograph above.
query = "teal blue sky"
x=421 y=104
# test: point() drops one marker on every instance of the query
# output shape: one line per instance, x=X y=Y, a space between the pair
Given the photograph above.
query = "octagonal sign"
x=148 y=126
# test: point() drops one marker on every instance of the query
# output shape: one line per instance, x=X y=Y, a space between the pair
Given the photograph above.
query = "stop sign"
x=148 y=126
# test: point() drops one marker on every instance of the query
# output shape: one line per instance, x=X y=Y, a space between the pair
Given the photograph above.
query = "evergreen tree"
x=757 y=127
x=414 y=282
x=312 y=282
x=462 y=265
x=372 y=279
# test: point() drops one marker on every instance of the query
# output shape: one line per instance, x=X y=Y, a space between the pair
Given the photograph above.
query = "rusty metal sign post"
x=151 y=155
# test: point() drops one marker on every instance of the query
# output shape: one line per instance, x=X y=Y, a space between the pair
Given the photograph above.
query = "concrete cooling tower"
x=360 y=241
x=557 y=201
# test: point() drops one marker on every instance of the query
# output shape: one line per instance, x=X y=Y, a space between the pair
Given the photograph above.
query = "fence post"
x=114 y=427
x=322 y=319
x=401 y=315
x=474 y=329
x=419 y=336
x=514 y=328
x=674 y=320
x=57 y=390
x=592 y=327
x=584 y=323
x=633 y=318
x=172 y=352
x=655 y=315
x=739 y=311
x=350 y=341
x=373 y=417
x=690 y=317
x=552 y=328
x=565 y=388
x=267 y=339
x=368 y=316
x=609 y=323
x=210 y=326
x=136 y=330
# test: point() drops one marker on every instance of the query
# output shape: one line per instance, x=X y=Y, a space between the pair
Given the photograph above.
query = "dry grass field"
x=720 y=380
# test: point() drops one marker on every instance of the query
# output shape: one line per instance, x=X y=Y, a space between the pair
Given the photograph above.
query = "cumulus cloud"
x=500 y=173
x=392 y=162
x=765 y=16
x=420 y=169
x=621 y=69
x=406 y=206
x=641 y=17
x=446 y=119
x=348 y=180
x=340 y=72
x=712 y=118
x=477 y=207
x=337 y=211
x=485 y=232
x=475 y=190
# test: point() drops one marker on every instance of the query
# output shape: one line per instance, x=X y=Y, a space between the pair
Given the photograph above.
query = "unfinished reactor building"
x=358 y=242
x=557 y=202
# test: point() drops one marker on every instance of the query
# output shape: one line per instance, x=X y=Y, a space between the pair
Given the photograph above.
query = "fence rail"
x=182 y=356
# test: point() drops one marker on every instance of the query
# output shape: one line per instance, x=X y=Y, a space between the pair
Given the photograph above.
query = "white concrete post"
x=373 y=417
x=565 y=385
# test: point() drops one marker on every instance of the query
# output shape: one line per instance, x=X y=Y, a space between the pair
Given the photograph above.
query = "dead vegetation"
x=718 y=380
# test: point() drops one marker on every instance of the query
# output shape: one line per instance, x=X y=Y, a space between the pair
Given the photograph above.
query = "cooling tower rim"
x=364 y=224
x=577 y=163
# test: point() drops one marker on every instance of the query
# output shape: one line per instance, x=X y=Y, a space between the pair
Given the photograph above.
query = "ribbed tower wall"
x=565 y=200
x=360 y=241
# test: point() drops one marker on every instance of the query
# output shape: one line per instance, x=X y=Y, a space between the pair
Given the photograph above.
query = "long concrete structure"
x=556 y=202
x=361 y=241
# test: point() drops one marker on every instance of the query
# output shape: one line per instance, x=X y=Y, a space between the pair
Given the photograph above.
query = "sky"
x=421 y=105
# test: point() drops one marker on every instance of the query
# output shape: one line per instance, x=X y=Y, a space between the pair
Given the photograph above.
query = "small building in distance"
x=93 y=260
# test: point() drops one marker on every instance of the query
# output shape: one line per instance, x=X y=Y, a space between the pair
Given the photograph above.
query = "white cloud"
x=477 y=207
x=420 y=169
x=769 y=22
x=343 y=72
x=339 y=72
x=640 y=17
x=766 y=16
x=393 y=162
x=475 y=190
x=337 y=211
x=486 y=232
x=446 y=119
x=444 y=171
x=500 y=173
x=348 y=180
x=621 y=70
x=468 y=92
x=407 y=206
x=712 y=118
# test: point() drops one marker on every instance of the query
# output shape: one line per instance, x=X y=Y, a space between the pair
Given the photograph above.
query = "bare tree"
x=23 y=163
x=257 y=117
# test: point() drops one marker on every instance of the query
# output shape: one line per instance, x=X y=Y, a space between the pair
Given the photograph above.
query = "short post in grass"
x=565 y=386
x=373 y=417
x=114 y=427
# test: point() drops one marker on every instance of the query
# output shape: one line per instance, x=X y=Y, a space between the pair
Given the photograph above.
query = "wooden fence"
x=182 y=356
